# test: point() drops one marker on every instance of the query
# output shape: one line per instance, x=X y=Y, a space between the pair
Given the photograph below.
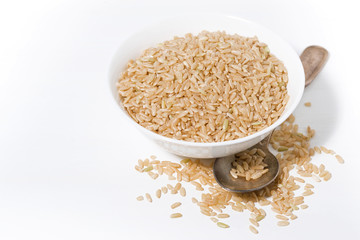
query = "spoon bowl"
x=222 y=167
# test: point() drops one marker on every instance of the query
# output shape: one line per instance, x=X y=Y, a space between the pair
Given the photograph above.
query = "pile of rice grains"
x=294 y=154
x=249 y=164
x=210 y=87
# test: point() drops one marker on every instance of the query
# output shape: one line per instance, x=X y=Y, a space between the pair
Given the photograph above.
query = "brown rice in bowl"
x=155 y=33
x=211 y=87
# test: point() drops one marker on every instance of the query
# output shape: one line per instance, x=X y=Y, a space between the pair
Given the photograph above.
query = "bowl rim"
x=262 y=133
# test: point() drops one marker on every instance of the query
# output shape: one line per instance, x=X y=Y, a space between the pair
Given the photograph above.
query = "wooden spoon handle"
x=313 y=59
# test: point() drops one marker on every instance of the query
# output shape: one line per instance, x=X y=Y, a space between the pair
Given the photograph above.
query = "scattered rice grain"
x=164 y=190
x=182 y=192
x=340 y=159
x=281 y=217
x=176 y=215
x=158 y=193
x=283 y=223
x=308 y=193
x=148 y=197
x=254 y=222
x=253 y=229
x=222 y=225
x=223 y=215
x=175 y=205
x=140 y=198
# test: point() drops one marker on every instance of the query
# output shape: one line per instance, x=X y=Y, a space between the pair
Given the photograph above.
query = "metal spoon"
x=313 y=59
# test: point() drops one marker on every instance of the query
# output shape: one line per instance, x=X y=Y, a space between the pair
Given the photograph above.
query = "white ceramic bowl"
x=167 y=29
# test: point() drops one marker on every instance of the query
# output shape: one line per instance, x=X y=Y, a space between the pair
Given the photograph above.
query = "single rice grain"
x=177 y=187
x=308 y=193
x=281 y=217
x=175 y=205
x=148 y=197
x=176 y=215
x=283 y=223
x=253 y=229
x=259 y=218
x=339 y=159
x=299 y=179
x=182 y=192
x=222 y=225
x=223 y=215
x=158 y=193
x=164 y=190
x=327 y=176
x=140 y=198
x=254 y=222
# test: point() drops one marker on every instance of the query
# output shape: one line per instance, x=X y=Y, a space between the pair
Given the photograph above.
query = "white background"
x=67 y=158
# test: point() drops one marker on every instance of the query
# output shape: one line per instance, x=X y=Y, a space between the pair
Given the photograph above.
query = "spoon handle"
x=313 y=59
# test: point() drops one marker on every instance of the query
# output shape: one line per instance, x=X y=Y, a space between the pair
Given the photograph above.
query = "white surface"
x=195 y=23
x=66 y=158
